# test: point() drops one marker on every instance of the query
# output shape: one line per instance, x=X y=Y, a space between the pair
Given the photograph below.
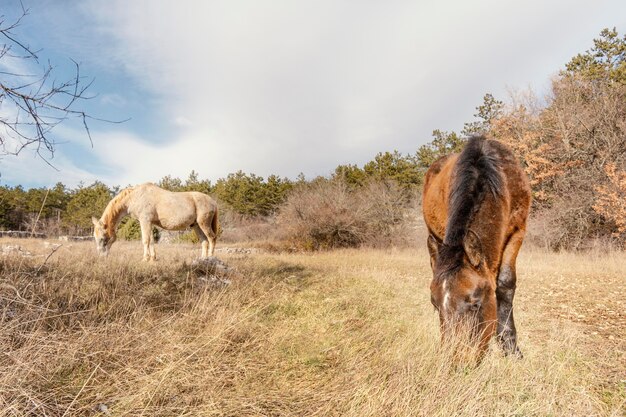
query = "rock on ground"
x=213 y=270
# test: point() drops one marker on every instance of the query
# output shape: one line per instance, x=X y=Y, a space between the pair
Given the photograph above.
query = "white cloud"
x=182 y=121
x=28 y=168
x=284 y=87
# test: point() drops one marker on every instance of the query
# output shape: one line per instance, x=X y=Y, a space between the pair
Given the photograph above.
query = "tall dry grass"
x=347 y=332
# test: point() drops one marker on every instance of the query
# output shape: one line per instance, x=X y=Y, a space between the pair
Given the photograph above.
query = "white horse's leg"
x=209 y=249
x=203 y=240
x=152 y=248
x=146 y=238
x=212 y=245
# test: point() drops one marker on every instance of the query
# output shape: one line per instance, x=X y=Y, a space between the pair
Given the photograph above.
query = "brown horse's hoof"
x=516 y=353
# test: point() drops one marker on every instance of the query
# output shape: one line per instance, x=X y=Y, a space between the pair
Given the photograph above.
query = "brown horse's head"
x=103 y=236
x=462 y=291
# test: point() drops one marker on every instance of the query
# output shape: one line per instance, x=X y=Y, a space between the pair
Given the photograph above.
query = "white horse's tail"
x=215 y=222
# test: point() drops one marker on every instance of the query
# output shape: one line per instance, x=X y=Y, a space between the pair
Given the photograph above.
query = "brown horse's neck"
x=116 y=210
x=477 y=175
x=477 y=183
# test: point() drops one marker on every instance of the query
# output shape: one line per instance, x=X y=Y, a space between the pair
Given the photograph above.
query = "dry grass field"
x=348 y=332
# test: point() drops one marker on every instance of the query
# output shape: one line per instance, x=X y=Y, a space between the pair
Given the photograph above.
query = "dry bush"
x=331 y=214
x=611 y=201
x=49 y=227
x=239 y=228
x=546 y=230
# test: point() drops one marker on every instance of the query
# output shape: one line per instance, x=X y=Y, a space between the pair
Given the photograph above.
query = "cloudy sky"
x=284 y=86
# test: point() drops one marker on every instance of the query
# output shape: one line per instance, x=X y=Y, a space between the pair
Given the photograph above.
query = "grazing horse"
x=152 y=205
x=475 y=206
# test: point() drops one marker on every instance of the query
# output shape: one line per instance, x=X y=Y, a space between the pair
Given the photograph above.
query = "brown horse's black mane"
x=477 y=173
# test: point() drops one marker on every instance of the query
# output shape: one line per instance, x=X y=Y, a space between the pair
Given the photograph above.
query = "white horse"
x=152 y=205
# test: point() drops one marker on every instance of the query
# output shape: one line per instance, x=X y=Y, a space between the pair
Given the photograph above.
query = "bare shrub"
x=237 y=227
x=560 y=227
x=611 y=202
x=392 y=213
x=330 y=214
x=34 y=224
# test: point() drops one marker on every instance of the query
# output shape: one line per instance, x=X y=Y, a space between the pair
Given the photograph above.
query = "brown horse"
x=475 y=207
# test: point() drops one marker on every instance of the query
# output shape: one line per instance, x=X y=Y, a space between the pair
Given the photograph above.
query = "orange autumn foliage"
x=611 y=200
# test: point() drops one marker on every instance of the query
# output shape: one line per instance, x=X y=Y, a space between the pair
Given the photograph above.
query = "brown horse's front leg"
x=505 y=292
x=507 y=334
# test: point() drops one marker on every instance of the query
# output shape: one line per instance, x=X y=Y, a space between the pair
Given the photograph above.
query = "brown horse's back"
x=517 y=185
x=507 y=214
x=436 y=194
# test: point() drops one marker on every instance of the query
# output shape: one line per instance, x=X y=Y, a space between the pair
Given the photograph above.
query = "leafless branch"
x=34 y=104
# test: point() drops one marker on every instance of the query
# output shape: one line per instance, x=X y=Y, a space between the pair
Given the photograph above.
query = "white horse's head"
x=104 y=239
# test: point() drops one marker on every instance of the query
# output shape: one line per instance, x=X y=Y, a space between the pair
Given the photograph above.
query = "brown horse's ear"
x=433 y=249
x=473 y=248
